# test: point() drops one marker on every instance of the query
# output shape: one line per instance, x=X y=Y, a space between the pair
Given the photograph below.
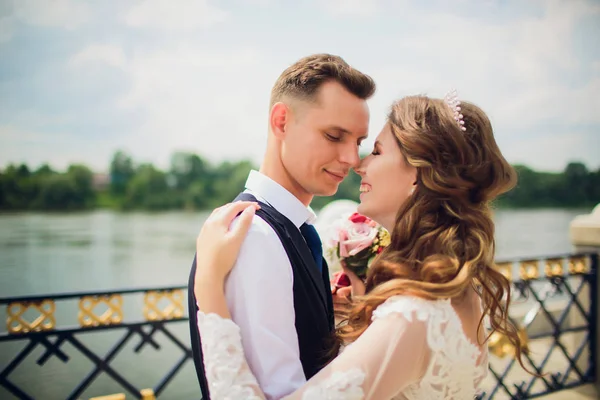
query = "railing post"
x=584 y=232
x=594 y=331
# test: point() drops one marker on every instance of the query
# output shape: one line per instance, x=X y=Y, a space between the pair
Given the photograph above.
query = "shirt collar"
x=271 y=192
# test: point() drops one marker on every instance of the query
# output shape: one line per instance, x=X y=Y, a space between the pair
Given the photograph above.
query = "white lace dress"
x=413 y=349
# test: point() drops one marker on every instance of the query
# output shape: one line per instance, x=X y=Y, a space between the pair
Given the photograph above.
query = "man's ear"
x=279 y=117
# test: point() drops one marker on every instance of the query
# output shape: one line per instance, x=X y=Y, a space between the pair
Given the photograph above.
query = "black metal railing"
x=555 y=307
x=33 y=321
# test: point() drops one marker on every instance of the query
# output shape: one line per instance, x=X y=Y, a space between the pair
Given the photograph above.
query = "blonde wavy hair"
x=443 y=239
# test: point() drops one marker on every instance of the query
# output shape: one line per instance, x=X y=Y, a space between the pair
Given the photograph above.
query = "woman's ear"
x=413 y=187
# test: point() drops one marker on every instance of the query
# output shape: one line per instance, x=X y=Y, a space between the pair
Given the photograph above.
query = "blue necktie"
x=314 y=243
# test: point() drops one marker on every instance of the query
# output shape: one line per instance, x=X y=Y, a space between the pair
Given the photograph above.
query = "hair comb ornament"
x=452 y=100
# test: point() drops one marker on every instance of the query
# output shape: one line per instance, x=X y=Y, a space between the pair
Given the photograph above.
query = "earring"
x=412 y=190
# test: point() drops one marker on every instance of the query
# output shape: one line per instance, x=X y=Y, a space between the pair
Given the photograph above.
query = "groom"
x=278 y=292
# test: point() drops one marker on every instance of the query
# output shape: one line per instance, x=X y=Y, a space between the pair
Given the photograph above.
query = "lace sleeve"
x=391 y=354
x=226 y=369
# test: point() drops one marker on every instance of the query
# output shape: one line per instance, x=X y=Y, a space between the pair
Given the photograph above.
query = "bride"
x=415 y=328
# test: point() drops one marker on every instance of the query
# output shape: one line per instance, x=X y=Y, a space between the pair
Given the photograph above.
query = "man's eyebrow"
x=338 y=128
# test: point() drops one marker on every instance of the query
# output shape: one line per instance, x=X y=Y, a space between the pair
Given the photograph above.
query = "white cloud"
x=111 y=55
x=513 y=69
x=165 y=15
x=68 y=14
x=213 y=103
x=553 y=151
x=356 y=8
x=212 y=98
x=261 y=3
x=553 y=103
x=6 y=28
x=37 y=147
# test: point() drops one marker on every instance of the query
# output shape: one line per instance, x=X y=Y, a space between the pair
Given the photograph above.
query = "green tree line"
x=192 y=183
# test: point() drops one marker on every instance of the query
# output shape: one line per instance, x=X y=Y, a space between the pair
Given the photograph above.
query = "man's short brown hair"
x=303 y=79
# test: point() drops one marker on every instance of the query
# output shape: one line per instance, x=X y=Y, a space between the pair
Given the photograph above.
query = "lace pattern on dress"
x=229 y=376
x=452 y=372
x=344 y=385
x=225 y=367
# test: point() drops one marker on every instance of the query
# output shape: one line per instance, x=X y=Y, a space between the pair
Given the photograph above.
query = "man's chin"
x=326 y=192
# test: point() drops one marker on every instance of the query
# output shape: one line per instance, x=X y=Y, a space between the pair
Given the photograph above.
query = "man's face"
x=322 y=139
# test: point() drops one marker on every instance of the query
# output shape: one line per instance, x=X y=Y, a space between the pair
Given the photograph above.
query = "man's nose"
x=360 y=168
x=349 y=156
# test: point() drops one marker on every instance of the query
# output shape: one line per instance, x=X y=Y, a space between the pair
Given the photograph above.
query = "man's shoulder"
x=261 y=234
x=261 y=246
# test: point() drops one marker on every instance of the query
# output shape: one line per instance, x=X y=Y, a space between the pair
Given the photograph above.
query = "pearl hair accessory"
x=452 y=100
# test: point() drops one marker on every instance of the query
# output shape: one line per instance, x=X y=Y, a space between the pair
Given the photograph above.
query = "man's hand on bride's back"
x=219 y=241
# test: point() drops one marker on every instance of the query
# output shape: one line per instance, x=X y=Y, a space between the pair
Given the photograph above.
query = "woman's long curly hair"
x=442 y=242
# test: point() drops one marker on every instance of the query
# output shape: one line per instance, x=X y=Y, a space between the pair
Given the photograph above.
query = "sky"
x=80 y=80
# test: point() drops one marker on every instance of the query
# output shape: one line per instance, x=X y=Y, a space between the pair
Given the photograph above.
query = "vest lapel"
x=296 y=238
x=308 y=262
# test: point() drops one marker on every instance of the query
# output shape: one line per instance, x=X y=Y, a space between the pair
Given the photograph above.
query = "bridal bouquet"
x=356 y=241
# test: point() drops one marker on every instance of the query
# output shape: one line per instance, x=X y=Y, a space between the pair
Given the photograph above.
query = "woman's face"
x=387 y=180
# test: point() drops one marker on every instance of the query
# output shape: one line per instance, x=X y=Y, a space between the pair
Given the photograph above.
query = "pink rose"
x=355 y=237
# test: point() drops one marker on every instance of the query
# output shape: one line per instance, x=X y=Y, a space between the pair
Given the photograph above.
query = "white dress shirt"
x=259 y=293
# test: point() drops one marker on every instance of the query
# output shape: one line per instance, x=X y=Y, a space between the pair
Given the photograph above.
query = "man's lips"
x=337 y=175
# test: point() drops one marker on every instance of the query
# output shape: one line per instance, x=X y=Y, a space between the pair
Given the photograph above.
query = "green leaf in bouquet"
x=359 y=263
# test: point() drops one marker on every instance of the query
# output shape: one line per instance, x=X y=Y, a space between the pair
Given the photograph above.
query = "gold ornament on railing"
x=113 y=315
x=505 y=269
x=16 y=322
x=554 y=267
x=148 y=394
x=117 y=396
x=500 y=345
x=578 y=265
x=174 y=309
x=529 y=270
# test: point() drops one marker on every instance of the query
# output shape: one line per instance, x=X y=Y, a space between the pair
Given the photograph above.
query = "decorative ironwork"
x=501 y=346
x=92 y=320
x=174 y=309
x=113 y=315
x=554 y=267
x=563 y=300
x=118 y=396
x=505 y=269
x=529 y=270
x=558 y=322
x=16 y=322
x=578 y=265
x=146 y=394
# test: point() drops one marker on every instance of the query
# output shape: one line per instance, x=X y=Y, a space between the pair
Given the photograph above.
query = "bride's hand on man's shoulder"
x=219 y=241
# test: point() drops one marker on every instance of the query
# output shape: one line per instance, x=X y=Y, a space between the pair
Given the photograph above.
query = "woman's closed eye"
x=376 y=148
